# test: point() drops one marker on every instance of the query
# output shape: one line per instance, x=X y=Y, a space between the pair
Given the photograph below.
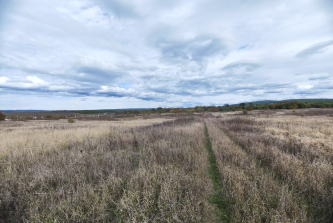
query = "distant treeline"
x=267 y=102
x=280 y=105
x=224 y=108
x=198 y=109
x=252 y=106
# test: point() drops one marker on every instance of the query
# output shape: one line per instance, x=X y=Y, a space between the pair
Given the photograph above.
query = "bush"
x=2 y=116
x=244 y=112
x=71 y=120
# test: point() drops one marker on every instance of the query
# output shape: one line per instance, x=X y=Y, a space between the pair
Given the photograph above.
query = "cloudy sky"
x=93 y=54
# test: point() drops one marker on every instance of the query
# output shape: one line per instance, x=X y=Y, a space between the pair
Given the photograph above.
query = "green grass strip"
x=218 y=198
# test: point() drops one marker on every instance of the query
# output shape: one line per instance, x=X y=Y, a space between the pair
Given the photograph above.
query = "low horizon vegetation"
x=225 y=108
x=148 y=113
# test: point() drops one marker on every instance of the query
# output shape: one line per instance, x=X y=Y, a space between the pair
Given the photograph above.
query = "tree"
x=249 y=108
x=214 y=109
x=271 y=106
x=199 y=109
x=2 y=116
x=242 y=105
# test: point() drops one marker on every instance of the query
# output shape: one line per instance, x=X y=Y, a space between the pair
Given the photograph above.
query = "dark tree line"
x=2 y=116
x=199 y=109
x=224 y=108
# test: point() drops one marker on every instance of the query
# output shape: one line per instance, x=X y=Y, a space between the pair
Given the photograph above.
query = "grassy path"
x=304 y=178
x=253 y=194
x=218 y=198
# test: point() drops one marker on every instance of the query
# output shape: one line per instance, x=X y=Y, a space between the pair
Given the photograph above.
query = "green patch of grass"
x=218 y=198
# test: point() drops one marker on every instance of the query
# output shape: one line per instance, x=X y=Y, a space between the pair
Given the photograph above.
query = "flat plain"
x=267 y=166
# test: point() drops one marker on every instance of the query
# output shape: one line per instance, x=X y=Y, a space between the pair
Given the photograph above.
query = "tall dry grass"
x=275 y=168
x=252 y=193
x=33 y=137
x=298 y=165
x=155 y=173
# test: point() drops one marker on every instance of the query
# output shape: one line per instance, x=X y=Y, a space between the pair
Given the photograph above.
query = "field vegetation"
x=230 y=167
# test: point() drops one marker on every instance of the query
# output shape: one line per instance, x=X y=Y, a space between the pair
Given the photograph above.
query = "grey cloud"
x=119 y=8
x=320 y=77
x=194 y=84
x=199 y=87
x=118 y=92
x=250 y=88
x=274 y=92
x=35 y=85
x=147 y=77
x=152 y=97
x=5 y=7
x=139 y=68
x=97 y=75
x=307 y=92
x=197 y=49
x=319 y=88
x=247 y=65
x=324 y=86
x=29 y=70
x=314 y=49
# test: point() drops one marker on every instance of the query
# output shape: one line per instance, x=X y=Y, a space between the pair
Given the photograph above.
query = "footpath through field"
x=218 y=198
x=251 y=192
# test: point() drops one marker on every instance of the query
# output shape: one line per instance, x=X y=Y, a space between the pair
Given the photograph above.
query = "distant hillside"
x=93 y=111
x=290 y=100
x=17 y=111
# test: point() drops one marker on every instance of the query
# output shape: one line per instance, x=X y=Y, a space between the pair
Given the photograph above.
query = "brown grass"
x=253 y=194
x=271 y=168
x=146 y=174
x=33 y=137
x=297 y=165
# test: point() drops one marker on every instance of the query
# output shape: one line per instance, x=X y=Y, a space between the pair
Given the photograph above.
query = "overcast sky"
x=94 y=54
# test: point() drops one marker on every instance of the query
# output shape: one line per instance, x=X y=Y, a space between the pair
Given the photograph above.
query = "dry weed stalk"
x=252 y=193
x=33 y=137
x=301 y=165
x=273 y=168
x=147 y=174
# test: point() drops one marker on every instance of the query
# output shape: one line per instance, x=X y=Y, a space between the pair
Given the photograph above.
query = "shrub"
x=60 y=117
x=2 y=116
x=71 y=120
x=244 y=112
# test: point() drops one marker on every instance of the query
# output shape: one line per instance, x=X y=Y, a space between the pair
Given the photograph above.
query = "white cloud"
x=31 y=82
x=3 y=80
x=116 y=91
x=171 y=52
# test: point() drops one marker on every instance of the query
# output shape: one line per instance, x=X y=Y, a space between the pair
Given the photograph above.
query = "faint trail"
x=218 y=198
x=299 y=193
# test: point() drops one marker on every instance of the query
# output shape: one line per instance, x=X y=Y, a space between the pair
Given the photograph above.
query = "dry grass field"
x=261 y=167
x=31 y=137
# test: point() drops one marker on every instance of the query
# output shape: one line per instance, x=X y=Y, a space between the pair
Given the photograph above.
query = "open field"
x=262 y=167
x=33 y=137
